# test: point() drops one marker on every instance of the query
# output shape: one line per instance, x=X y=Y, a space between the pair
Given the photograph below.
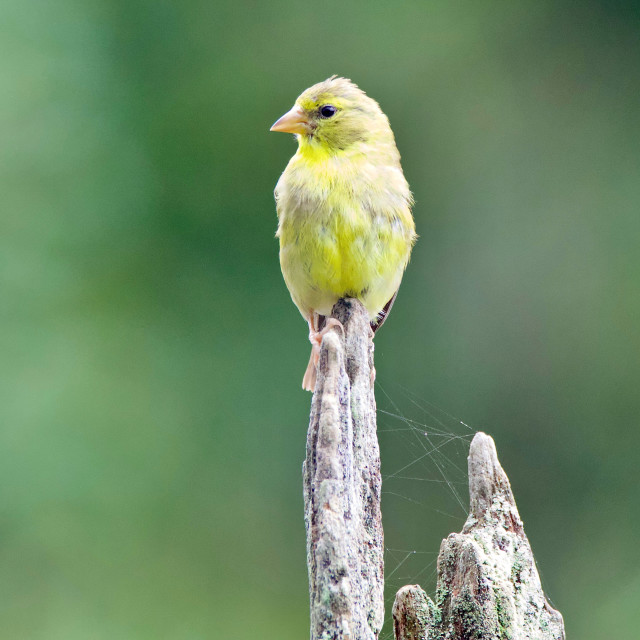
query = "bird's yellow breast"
x=345 y=230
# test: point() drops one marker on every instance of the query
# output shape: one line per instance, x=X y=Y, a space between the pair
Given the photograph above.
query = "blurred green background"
x=152 y=425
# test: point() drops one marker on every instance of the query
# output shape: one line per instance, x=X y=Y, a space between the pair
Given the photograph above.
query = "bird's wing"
x=382 y=316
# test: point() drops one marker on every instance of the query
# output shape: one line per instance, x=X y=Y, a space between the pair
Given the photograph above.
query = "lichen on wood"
x=488 y=584
x=342 y=486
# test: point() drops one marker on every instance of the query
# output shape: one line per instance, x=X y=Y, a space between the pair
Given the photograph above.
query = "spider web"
x=424 y=453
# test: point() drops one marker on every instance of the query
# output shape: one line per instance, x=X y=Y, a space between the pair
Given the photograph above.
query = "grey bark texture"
x=342 y=486
x=488 y=585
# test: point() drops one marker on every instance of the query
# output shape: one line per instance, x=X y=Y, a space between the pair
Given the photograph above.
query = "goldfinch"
x=344 y=208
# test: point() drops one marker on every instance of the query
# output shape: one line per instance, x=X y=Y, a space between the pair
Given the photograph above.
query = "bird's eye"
x=327 y=111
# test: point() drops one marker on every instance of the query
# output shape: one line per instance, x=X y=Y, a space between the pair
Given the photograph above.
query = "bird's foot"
x=315 y=337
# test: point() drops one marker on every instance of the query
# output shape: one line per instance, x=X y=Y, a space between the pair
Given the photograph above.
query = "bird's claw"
x=315 y=337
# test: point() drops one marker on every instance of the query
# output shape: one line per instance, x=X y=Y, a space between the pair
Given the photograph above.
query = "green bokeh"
x=152 y=426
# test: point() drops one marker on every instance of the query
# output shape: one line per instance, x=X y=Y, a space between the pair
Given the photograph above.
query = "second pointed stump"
x=488 y=585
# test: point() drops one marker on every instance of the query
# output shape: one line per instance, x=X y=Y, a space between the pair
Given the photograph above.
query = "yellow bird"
x=344 y=208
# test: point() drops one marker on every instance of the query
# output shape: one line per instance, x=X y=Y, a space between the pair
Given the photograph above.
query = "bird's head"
x=334 y=115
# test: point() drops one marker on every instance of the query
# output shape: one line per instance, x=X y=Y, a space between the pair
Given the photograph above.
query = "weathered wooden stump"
x=488 y=585
x=342 y=487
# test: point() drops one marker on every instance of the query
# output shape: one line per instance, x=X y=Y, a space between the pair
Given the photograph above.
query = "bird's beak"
x=294 y=121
